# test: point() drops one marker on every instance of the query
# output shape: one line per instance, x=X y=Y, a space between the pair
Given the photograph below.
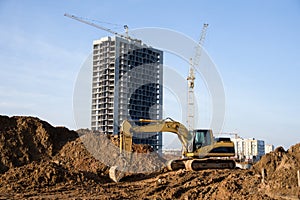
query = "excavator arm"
x=167 y=125
x=127 y=131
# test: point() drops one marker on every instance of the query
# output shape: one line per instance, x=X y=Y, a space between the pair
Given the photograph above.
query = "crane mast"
x=191 y=80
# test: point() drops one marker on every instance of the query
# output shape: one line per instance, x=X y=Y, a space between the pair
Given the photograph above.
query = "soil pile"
x=206 y=184
x=41 y=161
x=35 y=154
x=27 y=139
x=280 y=168
x=36 y=175
x=100 y=148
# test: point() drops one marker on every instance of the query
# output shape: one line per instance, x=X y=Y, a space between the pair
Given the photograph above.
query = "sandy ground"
x=39 y=161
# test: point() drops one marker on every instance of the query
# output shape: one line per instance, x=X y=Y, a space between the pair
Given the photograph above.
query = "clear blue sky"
x=255 y=45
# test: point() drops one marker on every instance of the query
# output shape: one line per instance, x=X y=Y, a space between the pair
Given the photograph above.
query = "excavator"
x=200 y=150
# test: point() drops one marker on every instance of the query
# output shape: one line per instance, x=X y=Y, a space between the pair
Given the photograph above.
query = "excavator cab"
x=201 y=138
x=204 y=145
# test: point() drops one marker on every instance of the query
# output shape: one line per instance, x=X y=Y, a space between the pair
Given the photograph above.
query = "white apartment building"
x=248 y=149
x=254 y=149
x=269 y=148
x=239 y=146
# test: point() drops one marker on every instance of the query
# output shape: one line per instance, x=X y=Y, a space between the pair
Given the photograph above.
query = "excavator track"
x=174 y=165
x=200 y=164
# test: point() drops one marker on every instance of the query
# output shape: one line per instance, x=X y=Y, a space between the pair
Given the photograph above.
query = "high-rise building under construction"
x=127 y=84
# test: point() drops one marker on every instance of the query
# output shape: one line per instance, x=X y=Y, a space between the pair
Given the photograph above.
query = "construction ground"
x=39 y=161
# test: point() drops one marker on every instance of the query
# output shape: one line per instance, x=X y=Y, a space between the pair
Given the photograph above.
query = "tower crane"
x=80 y=19
x=191 y=79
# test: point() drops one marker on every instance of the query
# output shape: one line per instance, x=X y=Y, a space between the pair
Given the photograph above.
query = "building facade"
x=248 y=149
x=254 y=149
x=239 y=147
x=269 y=148
x=127 y=84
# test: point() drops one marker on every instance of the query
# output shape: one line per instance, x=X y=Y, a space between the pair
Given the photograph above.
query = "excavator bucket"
x=115 y=174
x=125 y=152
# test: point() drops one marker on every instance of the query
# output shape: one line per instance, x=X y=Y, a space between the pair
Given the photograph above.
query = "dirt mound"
x=41 y=161
x=41 y=175
x=27 y=139
x=295 y=151
x=95 y=152
x=75 y=157
x=35 y=175
x=34 y=150
x=206 y=184
x=280 y=168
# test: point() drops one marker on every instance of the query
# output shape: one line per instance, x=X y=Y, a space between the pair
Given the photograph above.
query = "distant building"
x=254 y=149
x=239 y=147
x=269 y=148
x=248 y=149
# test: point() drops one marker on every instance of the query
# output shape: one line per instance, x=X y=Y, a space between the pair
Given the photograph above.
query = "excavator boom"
x=167 y=125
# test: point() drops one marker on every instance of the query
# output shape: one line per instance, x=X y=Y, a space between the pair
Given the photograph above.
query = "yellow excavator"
x=200 y=150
